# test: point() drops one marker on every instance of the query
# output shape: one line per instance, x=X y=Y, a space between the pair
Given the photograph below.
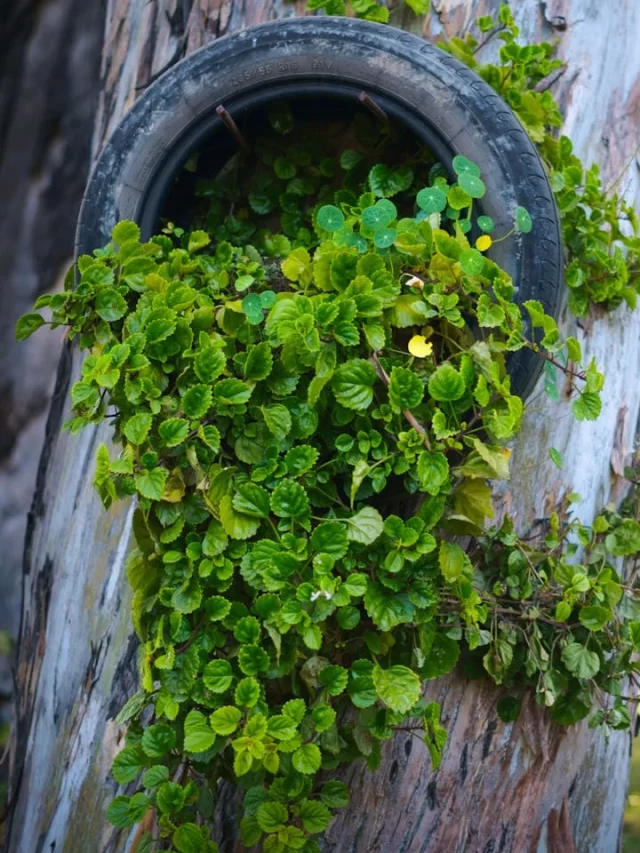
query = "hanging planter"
x=334 y=64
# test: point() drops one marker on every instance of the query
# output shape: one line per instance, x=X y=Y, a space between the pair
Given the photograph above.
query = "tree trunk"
x=513 y=788
x=49 y=64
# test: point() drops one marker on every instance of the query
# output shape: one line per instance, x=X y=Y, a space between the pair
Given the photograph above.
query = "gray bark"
x=528 y=786
x=49 y=76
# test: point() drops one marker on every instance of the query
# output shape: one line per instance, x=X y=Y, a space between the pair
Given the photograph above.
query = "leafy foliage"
x=600 y=229
x=307 y=418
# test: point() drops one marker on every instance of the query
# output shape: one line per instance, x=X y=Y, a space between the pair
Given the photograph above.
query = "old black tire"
x=437 y=96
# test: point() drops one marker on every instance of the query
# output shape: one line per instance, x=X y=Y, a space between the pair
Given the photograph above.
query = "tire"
x=435 y=95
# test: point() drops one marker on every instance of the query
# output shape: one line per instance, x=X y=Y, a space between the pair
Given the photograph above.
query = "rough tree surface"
x=514 y=788
x=49 y=67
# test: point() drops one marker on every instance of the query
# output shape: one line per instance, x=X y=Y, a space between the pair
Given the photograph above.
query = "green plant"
x=600 y=228
x=307 y=417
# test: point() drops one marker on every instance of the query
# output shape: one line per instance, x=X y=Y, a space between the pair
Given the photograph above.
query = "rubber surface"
x=463 y=113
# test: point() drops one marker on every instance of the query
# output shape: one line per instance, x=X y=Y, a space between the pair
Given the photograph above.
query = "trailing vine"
x=310 y=400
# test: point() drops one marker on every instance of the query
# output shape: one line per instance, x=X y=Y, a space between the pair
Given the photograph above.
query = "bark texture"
x=49 y=75
x=502 y=788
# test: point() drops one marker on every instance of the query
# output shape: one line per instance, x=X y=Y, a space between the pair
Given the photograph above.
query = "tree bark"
x=49 y=65
x=527 y=786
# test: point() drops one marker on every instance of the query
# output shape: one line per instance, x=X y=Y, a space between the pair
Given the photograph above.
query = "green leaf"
x=170 y=797
x=151 y=483
x=387 y=610
x=335 y=794
x=278 y=420
x=281 y=727
x=247 y=692
x=187 y=597
x=252 y=499
x=218 y=676
x=173 y=431
x=198 y=735
x=385 y=182
x=196 y=401
x=334 y=678
x=118 y=812
x=435 y=734
x=365 y=526
x=324 y=717
x=331 y=538
x=381 y=214
x=431 y=200
x=272 y=817
x=231 y=392
x=433 y=471
x=217 y=608
x=471 y=262
x=385 y=237
x=624 y=540
x=110 y=305
x=297 y=266
x=209 y=363
x=127 y=764
x=259 y=362
x=301 y=459
x=446 y=384
x=289 y=500
x=158 y=739
x=252 y=309
x=587 y=407
x=463 y=166
x=307 y=759
x=330 y=217
x=27 y=325
x=237 y=525
x=523 y=220
x=580 y=661
x=486 y=224
x=137 y=428
x=352 y=384
x=442 y=657
x=405 y=389
x=189 y=838
x=155 y=776
x=125 y=232
x=225 y=720
x=295 y=709
x=252 y=660
x=472 y=185
x=398 y=687
x=198 y=240
x=454 y=563
x=594 y=617
x=316 y=817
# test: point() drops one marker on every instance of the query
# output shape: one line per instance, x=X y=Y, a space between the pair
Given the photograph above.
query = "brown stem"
x=409 y=416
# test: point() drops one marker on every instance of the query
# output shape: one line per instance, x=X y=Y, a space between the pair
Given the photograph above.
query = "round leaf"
x=330 y=217
x=431 y=200
x=524 y=222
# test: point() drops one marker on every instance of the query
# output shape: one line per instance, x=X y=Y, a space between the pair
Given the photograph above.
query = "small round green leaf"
x=471 y=262
x=472 y=185
x=524 y=222
x=330 y=217
x=431 y=200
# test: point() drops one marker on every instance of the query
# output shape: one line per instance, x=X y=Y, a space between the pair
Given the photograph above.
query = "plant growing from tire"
x=307 y=421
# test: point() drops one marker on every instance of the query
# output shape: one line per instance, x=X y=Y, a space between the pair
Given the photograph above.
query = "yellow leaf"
x=420 y=347
x=483 y=243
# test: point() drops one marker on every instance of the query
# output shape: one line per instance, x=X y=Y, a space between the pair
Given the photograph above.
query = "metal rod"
x=232 y=126
x=370 y=104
